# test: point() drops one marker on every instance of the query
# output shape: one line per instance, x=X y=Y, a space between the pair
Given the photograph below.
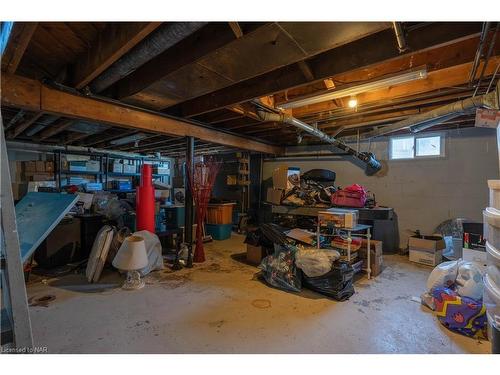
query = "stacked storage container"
x=491 y=297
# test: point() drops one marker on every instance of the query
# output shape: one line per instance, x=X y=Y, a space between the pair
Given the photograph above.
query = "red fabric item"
x=351 y=196
x=145 y=201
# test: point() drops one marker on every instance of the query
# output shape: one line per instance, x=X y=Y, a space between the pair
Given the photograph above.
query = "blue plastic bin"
x=219 y=232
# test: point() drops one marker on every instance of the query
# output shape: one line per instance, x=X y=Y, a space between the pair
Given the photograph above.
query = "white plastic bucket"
x=493 y=255
x=491 y=218
x=494 y=186
x=491 y=296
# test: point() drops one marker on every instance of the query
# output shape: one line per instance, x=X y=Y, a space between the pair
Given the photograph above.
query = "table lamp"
x=132 y=257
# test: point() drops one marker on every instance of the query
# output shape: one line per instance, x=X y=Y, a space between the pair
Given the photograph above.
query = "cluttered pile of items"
x=292 y=264
x=324 y=261
x=315 y=188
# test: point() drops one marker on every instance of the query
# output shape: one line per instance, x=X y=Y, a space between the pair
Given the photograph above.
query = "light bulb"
x=353 y=102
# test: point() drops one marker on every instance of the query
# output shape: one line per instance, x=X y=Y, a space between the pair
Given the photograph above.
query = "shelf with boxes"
x=79 y=168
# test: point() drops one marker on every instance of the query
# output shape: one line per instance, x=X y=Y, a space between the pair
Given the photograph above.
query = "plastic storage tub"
x=493 y=255
x=494 y=186
x=491 y=299
x=219 y=232
x=491 y=219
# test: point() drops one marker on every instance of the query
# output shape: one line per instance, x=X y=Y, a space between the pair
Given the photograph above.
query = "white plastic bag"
x=469 y=282
x=314 y=262
x=443 y=275
x=153 y=248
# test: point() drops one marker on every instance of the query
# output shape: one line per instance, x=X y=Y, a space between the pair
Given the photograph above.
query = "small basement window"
x=416 y=146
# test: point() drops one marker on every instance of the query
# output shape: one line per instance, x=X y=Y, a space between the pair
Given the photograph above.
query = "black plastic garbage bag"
x=336 y=284
x=279 y=270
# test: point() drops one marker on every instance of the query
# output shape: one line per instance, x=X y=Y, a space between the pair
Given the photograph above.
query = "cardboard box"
x=161 y=170
x=16 y=171
x=339 y=217
x=427 y=243
x=36 y=185
x=116 y=167
x=281 y=177
x=93 y=166
x=39 y=176
x=429 y=258
x=77 y=166
x=232 y=179
x=376 y=257
x=40 y=166
x=19 y=190
x=129 y=168
x=30 y=166
x=162 y=194
x=255 y=254
x=49 y=166
x=274 y=196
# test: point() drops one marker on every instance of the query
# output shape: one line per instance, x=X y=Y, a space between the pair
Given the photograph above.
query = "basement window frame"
x=442 y=151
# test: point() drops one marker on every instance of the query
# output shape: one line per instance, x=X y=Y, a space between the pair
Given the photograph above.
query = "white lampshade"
x=132 y=254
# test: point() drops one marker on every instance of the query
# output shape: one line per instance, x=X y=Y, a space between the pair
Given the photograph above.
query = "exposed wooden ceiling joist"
x=116 y=39
x=18 y=42
x=19 y=128
x=54 y=129
x=32 y=95
x=364 y=52
x=194 y=47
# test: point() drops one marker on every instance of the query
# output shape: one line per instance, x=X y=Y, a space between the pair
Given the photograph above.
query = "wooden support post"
x=188 y=206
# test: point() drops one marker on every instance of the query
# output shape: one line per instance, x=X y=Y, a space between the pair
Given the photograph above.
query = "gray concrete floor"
x=220 y=307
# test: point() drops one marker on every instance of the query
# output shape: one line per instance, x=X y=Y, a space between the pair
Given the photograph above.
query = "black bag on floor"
x=336 y=284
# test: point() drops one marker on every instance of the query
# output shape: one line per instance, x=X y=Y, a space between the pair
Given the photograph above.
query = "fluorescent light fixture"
x=351 y=90
x=128 y=139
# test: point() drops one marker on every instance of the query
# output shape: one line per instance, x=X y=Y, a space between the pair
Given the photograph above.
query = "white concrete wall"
x=423 y=192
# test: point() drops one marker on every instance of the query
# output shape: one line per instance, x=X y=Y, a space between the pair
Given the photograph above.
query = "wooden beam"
x=32 y=95
x=19 y=128
x=112 y=43
x=18 y=42
x=364 y=52
x=235 y=26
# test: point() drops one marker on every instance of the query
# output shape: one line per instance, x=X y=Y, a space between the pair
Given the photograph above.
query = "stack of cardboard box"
x=281 y=183
x=24 y=172
x=376 y=258
x=426 y=250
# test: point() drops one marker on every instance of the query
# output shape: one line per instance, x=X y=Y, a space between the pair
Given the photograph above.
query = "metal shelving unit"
x=105 y=175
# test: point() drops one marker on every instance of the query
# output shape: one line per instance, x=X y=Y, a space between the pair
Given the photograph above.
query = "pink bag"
x=351 y=196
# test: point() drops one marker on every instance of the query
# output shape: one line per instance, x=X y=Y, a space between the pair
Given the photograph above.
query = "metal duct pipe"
x=372 y=164
x=400 y=36
x=160 y=40
x=428 y=119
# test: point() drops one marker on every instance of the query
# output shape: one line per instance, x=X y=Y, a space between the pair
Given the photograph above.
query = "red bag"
x=351 y=196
